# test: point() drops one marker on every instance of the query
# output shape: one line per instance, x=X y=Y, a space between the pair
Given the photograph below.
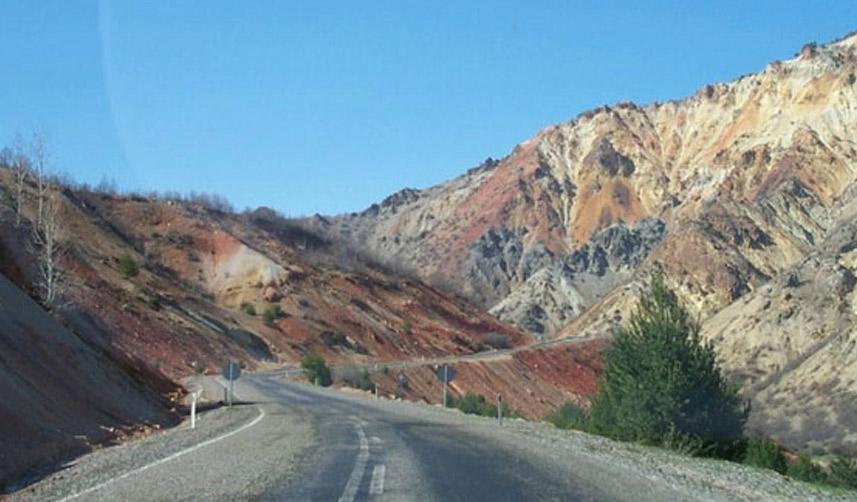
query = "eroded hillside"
x=723 y=189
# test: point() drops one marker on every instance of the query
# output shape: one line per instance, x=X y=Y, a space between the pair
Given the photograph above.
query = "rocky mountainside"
x=741 y=193
x=206 y=277
x=793 y=344
x=724 y=189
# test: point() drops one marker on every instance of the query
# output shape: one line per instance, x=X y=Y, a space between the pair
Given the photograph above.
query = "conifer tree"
x=662 y=382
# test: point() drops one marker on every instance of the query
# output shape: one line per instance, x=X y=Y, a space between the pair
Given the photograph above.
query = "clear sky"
x=323 y=106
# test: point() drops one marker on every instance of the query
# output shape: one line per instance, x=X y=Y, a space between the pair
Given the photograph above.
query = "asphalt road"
x=290 y=441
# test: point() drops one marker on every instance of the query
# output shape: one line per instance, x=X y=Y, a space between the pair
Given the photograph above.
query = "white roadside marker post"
x=193 y=411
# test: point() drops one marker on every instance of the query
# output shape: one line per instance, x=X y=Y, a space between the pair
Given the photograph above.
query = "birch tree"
x=39 y=159
x=47 y=247
x=20 y=170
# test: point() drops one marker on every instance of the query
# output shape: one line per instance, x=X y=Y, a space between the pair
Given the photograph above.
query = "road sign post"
x=231 y=372
x=445 y=382
x=500 y=409
x=446 y=373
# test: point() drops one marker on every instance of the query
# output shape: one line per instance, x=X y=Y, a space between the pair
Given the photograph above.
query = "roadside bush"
x=272 y=313
x=843 y=472
x=248 y=308
x=316 y=369
x=763 y=453
x=474 y=404
x=662 y=384
x=805 y=469
x=357 y=379
x=127 y=266
x=568 y=416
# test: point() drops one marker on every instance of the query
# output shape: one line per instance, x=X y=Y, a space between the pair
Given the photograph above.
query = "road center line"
x=376 y=487
x=167 y=459
x=359 y=468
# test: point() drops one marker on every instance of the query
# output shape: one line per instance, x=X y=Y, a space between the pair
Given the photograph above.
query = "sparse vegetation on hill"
x=271 y=314
x=127 y=266
x=316 y=369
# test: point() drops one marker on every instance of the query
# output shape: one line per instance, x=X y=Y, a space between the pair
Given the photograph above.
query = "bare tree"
x=48 y=247
x=39 y=159
x=20 y=166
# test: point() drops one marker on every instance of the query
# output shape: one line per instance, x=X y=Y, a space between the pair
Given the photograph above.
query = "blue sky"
x=326 y=107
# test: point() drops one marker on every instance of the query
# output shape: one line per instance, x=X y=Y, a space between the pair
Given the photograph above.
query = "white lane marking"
x=359 y=468
x=167 y=459
x=376 y=487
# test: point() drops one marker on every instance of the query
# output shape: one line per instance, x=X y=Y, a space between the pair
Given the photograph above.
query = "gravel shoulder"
x=221 y=471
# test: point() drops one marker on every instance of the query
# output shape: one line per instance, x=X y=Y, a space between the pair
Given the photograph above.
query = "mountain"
x=731 y=192
x=740 y=177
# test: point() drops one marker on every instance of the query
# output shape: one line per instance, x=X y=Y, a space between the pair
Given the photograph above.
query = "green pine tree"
x=662 y=384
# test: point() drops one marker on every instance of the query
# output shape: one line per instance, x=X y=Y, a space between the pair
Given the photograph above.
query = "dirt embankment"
x=60 y=396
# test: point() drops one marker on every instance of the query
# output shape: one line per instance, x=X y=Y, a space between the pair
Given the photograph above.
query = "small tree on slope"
x=662 y=383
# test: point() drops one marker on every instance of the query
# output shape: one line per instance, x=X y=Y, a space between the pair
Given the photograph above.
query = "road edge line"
x=166 y=459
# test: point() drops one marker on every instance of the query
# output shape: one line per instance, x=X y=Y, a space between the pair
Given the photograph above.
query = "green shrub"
x=127 y=266
x=763 y=453
x=154 y=302
x=385 y=370
x=248 y=308
x=568 y=416
x=316 y=369
x=662 y=383
x=407 y=328
x=272 y=313
x=365 y=381
x=805 y=469
x=843 y=472
x=474 y=404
